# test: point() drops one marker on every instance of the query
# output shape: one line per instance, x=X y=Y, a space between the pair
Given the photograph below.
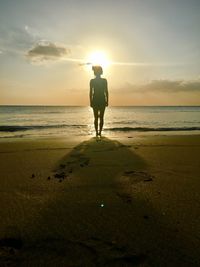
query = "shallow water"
x=55 y=121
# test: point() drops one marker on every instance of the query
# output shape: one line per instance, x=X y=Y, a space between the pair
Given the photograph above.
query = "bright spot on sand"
x=102 y=205
x=98 y=58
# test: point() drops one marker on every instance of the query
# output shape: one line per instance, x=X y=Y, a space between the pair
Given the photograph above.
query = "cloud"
x=163 y=86
x=44 y=51
x=18 y=40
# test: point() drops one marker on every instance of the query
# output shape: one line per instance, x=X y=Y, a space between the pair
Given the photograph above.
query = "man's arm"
x=91 y=92
x=106 y=92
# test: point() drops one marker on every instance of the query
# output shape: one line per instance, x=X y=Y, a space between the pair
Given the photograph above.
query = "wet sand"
x=110 y=202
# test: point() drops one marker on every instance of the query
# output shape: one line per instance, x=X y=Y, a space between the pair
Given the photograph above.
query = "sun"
x=98 y=58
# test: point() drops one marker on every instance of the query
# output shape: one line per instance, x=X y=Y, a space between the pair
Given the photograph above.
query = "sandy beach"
x=111 y=202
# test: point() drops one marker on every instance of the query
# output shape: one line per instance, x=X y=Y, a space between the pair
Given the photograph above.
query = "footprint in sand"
x=66 y=169
x=9 y=248
x=125 y=197
x=11 y=243
x=134 y=177
x=80 y=160
x=127 y=260
x=139 y=176
x=110 y=253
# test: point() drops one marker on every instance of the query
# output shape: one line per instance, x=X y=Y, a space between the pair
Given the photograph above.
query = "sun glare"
x=98 y=58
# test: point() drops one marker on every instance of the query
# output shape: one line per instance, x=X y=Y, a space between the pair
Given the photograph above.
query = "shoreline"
x=120 y=135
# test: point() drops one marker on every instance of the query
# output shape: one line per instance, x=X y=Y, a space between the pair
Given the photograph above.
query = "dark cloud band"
x=47 y=51
x=164 y=86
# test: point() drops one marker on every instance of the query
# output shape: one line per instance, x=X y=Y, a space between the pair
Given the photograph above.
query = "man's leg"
x=95 y=110
x=102 y=110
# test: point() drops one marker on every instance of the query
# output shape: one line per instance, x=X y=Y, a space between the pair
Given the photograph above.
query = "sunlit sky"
x=152 y=46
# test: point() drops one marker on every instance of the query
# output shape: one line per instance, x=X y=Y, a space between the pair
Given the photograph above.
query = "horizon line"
x=44 y=105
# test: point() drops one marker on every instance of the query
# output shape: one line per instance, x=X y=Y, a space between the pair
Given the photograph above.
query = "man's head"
x=97 y=70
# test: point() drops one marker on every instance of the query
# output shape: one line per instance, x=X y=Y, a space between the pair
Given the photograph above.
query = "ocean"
x=67 y=121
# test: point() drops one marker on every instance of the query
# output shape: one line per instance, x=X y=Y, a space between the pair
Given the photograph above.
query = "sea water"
x=66 y=121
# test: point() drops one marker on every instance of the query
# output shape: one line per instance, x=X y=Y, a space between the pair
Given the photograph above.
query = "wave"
x=16 y=128
x=149 y=129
